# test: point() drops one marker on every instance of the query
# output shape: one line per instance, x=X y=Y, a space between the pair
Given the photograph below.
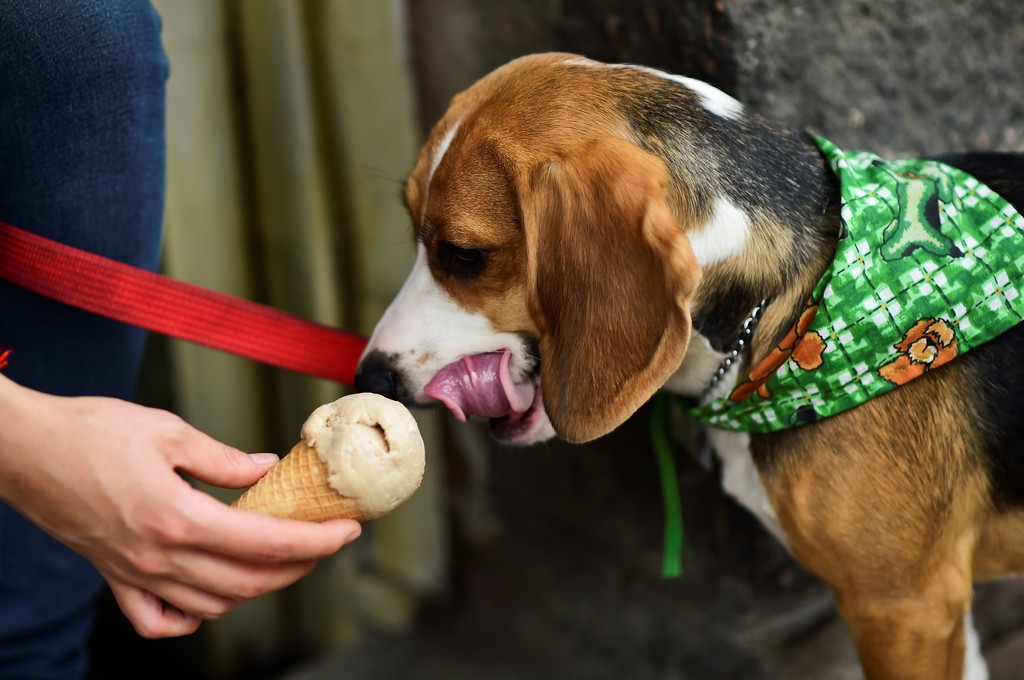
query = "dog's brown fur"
x=583 y=186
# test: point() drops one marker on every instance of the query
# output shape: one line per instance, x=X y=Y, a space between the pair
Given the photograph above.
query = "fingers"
x=210 y=585
x=228 y=553
x=255 y=537
x=151 y=617
x=270 y=539
x=250 y=536
x=213 y=462
x=199 y=558
x=206 y=588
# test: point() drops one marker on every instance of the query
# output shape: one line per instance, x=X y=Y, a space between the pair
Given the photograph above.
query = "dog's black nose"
x=375 y=374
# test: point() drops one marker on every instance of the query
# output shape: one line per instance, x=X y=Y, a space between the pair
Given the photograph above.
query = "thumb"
x=218 y=464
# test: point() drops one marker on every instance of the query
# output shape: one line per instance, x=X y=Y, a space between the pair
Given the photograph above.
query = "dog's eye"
x=461 y=262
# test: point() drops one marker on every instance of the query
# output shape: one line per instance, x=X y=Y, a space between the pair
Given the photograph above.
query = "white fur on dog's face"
x=425 y=329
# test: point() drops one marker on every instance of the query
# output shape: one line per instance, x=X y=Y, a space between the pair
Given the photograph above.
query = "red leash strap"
x=164 y=305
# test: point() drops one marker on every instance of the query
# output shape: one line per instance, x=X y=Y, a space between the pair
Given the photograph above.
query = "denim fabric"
x=81 y=160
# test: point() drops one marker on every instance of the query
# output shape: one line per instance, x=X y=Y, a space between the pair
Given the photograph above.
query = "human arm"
x=101 y=476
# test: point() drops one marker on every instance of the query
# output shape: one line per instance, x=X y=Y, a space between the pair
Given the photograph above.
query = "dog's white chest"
x=741 y=480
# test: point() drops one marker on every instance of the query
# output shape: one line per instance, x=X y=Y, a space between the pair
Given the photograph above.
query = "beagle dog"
x=588 y=234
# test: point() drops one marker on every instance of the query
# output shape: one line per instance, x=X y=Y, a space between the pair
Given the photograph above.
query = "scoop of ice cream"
x=371 y=447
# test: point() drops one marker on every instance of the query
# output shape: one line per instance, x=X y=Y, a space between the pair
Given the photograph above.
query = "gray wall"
x=910 y=76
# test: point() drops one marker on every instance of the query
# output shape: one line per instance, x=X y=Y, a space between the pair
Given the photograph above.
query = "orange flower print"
x=928 y=344
x=803 y=348
x=5 y=355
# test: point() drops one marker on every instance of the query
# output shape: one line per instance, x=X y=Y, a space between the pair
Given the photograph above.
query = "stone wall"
x=903 y=76
x=908 y=76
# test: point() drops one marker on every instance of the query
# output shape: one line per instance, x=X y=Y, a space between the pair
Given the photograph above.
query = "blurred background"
x=291 y=125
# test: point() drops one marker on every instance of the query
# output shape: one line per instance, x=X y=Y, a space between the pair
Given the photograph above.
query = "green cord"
x=675 y=538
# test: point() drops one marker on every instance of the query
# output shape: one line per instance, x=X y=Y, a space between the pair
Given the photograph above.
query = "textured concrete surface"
x=908 y=76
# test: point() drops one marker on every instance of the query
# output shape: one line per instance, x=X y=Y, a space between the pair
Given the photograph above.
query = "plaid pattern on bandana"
x=929 y=265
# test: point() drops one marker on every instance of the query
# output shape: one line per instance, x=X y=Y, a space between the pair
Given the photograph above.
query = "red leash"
x=164 y=305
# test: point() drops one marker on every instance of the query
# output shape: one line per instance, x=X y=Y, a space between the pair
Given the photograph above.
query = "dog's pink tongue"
x=480 y=385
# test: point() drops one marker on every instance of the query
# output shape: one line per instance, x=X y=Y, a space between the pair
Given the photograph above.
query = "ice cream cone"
x=359 y=458
x=297 y=488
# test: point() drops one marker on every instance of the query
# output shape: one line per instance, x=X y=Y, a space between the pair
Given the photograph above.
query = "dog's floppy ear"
x=610 y=275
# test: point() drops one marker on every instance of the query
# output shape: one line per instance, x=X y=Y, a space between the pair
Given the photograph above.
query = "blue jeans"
x=82 y=161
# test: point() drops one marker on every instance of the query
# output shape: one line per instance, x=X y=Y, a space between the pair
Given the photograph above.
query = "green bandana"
x=927 y=267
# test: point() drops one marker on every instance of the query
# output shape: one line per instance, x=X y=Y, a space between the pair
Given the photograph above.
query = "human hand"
x=101 y=475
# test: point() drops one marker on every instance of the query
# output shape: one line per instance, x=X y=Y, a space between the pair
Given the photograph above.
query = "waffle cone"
x=297 y=488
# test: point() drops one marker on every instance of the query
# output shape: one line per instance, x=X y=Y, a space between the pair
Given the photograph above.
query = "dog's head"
x=552 y=284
